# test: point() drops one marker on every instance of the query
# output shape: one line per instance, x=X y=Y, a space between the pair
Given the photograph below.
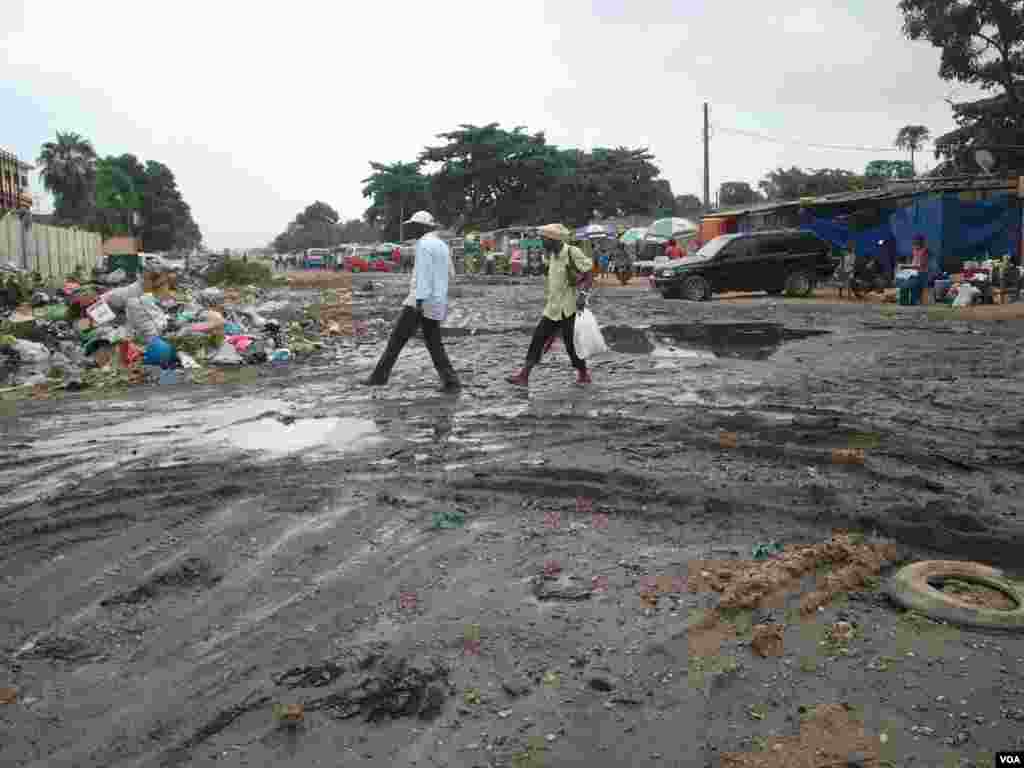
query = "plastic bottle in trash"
x=281 y=356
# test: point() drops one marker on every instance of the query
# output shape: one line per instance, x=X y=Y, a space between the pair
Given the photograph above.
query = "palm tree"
x=912 y=137
x=69 y=172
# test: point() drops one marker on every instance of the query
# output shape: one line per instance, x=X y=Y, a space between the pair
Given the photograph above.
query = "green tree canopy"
x=795 y=183
x=167 y=222
x=397 y=190
x=688 y=206
x=737 y=193
x=319 y=225
x=117 y=199
x=982 y=44
x=488 y=176
x=912 y=138
x=68 y=169
x=878 y=171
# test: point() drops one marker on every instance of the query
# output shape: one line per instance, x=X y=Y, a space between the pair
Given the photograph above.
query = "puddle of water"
x=273 y=436
x=748 y=341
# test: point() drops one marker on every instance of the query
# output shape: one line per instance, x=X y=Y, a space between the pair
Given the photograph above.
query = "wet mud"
x=180 y=565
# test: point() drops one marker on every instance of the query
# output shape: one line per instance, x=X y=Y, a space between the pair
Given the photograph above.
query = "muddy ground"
x=465 y=581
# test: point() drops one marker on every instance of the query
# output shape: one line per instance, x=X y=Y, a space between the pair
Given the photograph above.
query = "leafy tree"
x=795 y=183
x=167 y=222
x=319 y=213
x=912 y=138
x=982 y=44
x=69 y=173
x=319 y=225
x=737 y=193
x=490 y=177
x=356 y=231
x=688 y=206
x=117 y=199
x=878 y=171
x=397 y=190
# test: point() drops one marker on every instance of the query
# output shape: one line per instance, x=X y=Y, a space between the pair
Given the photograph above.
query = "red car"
x=355 y=264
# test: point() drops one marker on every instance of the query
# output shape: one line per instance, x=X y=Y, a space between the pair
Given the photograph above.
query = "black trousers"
x=547 y=328
x=408 y=323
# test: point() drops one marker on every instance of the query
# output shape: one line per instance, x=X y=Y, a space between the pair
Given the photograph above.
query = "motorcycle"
x=867 y=278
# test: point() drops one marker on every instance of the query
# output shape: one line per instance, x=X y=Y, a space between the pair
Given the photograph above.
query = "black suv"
x=774 y=261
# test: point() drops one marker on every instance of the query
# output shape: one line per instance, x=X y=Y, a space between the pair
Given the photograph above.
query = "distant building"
x=14 y=188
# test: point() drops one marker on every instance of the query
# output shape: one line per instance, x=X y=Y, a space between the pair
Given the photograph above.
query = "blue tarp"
x=956 y=230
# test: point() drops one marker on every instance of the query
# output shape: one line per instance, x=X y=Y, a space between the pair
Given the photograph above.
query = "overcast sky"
x=262 y=108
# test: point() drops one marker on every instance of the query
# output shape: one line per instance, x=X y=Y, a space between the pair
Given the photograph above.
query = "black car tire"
x=696 y=288
x=800 y=284
x=673 y=291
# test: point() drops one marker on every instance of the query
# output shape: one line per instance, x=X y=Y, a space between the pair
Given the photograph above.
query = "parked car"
x=774 y=261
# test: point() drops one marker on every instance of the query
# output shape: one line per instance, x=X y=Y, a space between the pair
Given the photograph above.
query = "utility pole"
x=707 y=172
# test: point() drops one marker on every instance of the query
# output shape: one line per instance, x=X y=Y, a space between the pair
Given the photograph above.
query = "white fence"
x=54 y=252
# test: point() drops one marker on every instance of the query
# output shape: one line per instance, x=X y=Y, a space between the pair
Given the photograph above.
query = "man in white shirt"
x=426 y=305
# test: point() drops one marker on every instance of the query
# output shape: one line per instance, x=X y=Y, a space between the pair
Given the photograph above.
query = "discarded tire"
x=910 y=587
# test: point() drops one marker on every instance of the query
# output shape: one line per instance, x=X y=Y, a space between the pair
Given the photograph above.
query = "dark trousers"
x=408 y=322
x=547 y=328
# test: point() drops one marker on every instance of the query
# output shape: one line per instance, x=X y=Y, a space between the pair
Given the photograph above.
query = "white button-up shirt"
x=430 y=277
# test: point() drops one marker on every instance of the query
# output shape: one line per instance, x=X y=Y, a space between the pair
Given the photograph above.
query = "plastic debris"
x=158 y=352
x=449 y=519
x=117 y=299
x=764 y=551
x=226 y=355
x=212 y=297
x=289 y=715
x=101 y=314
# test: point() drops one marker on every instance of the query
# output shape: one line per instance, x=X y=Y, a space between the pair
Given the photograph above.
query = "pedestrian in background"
x=566 y=285
x=425 y=307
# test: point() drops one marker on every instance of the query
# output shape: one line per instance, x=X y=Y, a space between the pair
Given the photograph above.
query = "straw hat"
x=555 y=232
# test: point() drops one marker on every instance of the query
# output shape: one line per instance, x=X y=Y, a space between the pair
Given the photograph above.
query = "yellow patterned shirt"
x=559 y=293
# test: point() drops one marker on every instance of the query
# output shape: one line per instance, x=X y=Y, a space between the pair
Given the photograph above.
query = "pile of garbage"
x=157 y=329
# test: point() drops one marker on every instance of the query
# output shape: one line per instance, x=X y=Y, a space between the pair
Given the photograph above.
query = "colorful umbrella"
x=666 y=228
x=634 y=234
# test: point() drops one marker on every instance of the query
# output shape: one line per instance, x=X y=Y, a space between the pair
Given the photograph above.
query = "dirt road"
x=175 y=564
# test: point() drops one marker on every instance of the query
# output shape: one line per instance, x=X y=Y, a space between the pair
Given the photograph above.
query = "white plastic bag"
x=587 y=336
x=118 y=298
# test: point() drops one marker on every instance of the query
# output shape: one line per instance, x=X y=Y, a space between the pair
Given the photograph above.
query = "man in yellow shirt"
x=566 y=286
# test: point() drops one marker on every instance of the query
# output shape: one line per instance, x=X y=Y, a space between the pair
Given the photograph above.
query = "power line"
x=797 y=142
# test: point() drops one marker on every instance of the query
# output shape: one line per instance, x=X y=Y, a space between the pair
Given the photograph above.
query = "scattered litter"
x=449 y=519
x=101 y=314
x=226 y=355
x=289 y=715
x=187 y=361
x=764 y=551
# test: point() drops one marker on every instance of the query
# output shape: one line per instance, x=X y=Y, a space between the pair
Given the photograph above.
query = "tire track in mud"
x=180 y=653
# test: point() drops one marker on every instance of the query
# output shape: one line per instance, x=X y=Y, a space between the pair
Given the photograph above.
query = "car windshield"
x=712 y=248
